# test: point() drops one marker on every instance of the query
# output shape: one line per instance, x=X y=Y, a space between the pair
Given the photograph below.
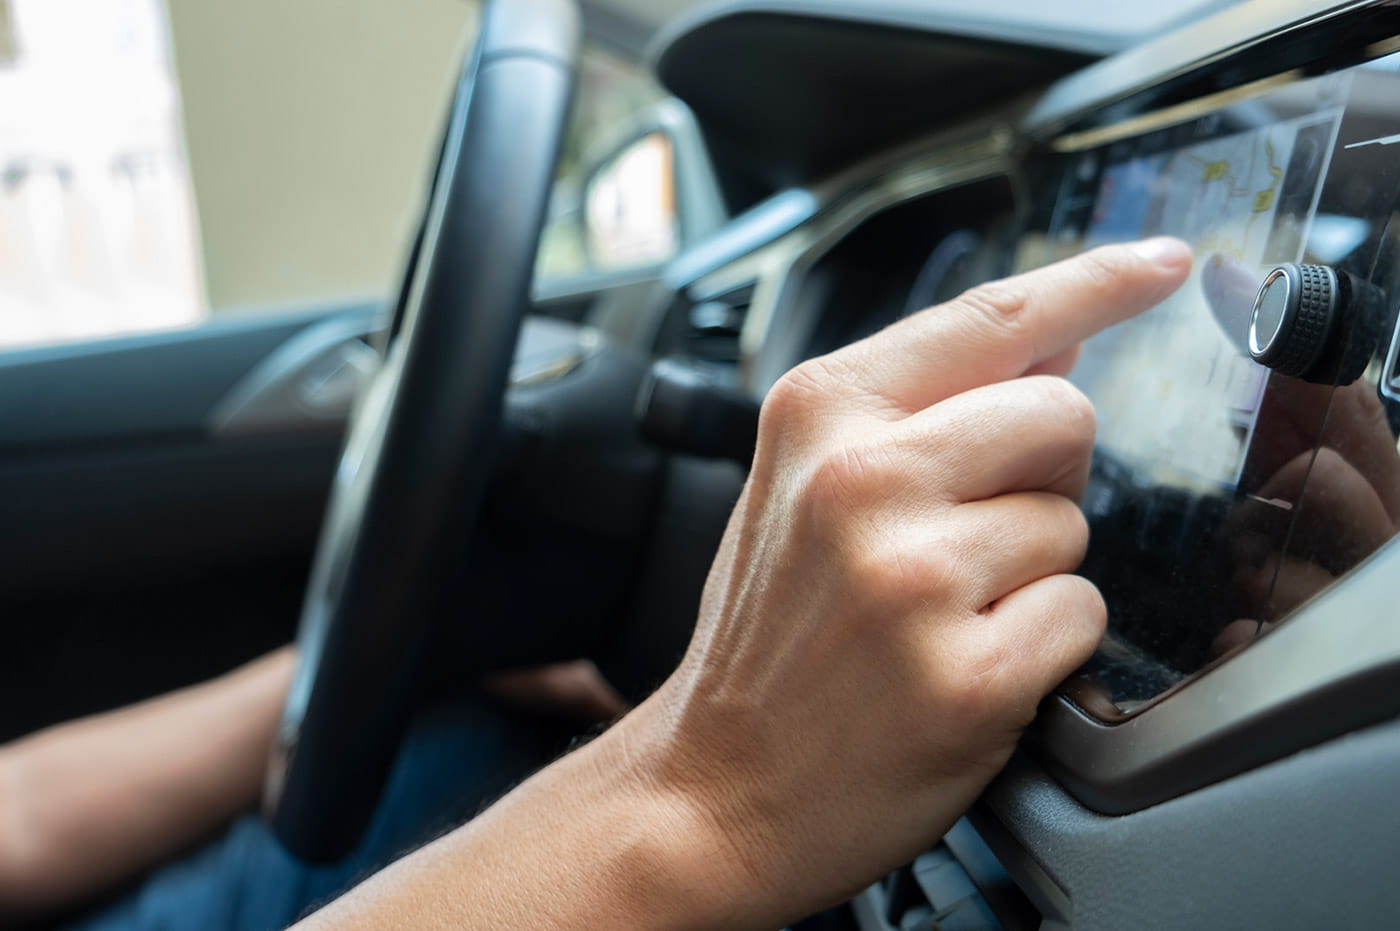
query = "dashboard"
x=1245 y=491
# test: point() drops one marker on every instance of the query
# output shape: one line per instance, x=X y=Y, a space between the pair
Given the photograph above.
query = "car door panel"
x=147 y=545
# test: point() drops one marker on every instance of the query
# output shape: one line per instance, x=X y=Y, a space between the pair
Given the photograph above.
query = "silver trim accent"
x=1232 y=30
x=309 y=382
x=1172 y=115
x=1254 y=348
x=1390 y=379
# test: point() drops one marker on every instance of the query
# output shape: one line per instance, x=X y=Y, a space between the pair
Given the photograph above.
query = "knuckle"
x=968 y=548
x=1044 y=533
x=844 y=480
x=995 y=678
x=894 y=579
x=1000 y=304
x=927 y=577
x=795 y=396
x=887 y=581
x=977 y=551
x=975 y=689
x=1107 y=266
x=1064 y=417
x=1069 y=522
x=1048 y=535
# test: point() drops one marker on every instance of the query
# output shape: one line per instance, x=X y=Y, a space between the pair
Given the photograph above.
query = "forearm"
x=589 y=842
x=88 y=804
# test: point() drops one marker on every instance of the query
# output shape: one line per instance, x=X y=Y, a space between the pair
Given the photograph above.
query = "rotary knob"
x=1314 y=323
x=1294 y=313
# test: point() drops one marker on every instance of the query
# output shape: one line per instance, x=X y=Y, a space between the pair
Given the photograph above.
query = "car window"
x=163 y=164
x=613 y=93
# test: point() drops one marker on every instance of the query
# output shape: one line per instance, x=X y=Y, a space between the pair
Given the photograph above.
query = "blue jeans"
x=451 y=766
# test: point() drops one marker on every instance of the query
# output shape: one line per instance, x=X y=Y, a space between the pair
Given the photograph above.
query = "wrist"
x=678 y=829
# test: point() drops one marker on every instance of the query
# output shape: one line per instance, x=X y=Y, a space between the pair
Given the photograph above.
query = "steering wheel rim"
x=418 y=452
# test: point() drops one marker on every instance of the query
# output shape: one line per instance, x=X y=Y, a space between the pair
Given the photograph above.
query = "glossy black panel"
x=1225 y=496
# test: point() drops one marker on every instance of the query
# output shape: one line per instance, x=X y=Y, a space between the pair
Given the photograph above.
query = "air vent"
x=959 y=885
x=934 y=893
x=715 y=324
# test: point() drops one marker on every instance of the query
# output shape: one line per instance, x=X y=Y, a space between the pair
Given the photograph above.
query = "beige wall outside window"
x=311 y=128
x=170 y=161
x=164 y=162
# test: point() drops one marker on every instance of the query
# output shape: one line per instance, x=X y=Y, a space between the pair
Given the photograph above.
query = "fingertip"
x=1168 y=252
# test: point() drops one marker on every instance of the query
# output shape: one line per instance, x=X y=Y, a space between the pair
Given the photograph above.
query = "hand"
x=889 y=605
x=891 y=600
x=575 y=690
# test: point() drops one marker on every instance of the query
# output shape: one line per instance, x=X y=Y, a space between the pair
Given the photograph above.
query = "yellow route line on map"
x=1261 y=203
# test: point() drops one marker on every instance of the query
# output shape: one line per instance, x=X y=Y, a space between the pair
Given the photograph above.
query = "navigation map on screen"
x=1176 y=392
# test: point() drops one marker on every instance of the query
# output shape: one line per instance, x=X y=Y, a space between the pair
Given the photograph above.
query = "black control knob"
x=1294 y=313
x=1314 y=323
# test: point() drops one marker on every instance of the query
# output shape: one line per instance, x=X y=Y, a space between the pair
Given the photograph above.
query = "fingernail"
x=1166 y=251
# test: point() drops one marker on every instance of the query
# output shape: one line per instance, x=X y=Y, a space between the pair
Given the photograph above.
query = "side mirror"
x=645 y=196
x=629 y=205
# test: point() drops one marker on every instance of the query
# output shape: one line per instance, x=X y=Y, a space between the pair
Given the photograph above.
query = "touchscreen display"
x=1176 y=393
x=1190 y=524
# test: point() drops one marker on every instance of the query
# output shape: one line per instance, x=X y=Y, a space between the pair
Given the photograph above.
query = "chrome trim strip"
x=1171 y=116
x=1233 y=30
x=1390 y=384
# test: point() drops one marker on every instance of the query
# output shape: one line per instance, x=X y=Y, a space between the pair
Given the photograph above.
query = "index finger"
x=1003 y=329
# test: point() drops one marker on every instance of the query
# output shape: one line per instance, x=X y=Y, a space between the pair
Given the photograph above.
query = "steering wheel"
x=420 y=444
